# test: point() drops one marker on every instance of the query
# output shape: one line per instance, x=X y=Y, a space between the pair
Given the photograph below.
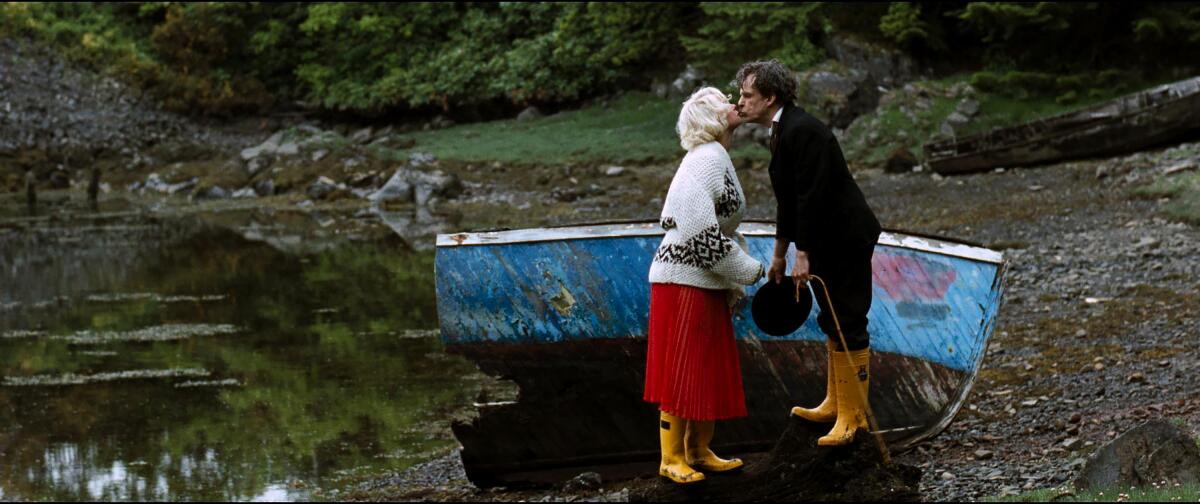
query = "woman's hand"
x=734 y=298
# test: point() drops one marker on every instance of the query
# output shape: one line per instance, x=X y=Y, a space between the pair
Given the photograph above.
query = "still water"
x=174 y=360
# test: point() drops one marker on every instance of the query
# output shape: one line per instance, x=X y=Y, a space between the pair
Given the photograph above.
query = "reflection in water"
x=314 y=387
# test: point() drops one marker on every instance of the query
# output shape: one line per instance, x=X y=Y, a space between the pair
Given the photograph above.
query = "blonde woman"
x=698 y=272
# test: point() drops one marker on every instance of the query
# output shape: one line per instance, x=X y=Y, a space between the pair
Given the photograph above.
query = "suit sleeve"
x=809 y=174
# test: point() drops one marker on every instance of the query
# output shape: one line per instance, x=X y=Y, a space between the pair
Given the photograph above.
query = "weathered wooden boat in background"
x=1126 y=124
x=563 y=313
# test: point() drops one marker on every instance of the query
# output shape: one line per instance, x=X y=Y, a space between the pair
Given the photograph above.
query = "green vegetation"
x=1166 y=493
x=636 y=127
x=909 y=121
x=1184 y=192
x=488 y=59
x=1182 y=188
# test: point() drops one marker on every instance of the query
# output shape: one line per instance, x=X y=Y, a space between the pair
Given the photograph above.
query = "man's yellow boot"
x=853 y=382
x=699 y=455
x=671 y=430
x=827 y=410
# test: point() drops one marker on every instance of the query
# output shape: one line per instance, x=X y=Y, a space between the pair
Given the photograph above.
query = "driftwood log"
x=799 y=470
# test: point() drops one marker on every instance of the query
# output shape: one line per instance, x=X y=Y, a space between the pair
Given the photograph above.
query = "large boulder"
x=268 y=147
x=408 y=185
x=854 y=86
x=1151 y=453
x=900 y=161
x=689 y=80
x=752 y=133
x=834 y=94
x=530 y=112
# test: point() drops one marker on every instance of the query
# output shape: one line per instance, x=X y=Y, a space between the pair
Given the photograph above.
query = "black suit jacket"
x=819 y=206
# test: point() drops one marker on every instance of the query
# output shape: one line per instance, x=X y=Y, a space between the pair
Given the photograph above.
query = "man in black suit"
x=820 y=210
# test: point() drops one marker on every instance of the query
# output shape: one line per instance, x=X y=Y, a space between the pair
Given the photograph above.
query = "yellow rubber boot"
x=671 y=430
x=827 y=410
x=851 y=403
x=699 y=455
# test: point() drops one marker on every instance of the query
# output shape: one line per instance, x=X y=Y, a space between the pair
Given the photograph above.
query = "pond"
x=170 y=359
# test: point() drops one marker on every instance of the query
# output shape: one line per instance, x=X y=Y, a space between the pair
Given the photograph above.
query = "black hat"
x=776 y=310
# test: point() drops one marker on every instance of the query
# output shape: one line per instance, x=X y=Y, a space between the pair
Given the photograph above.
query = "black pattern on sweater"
x=728 y=203
x=701 y=251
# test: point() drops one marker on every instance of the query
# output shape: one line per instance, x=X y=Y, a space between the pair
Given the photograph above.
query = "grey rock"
x=439 y=183
x=613 y=171
x=288 y=149
x=269 y=147
x=984 y=454
x=900 y=161
x=361 y=136
x=422 y=195
x=1072 y=443
x=1150 y=453
x=660 y=89
x=214 y=192
x=946 y=130
x=397 y=188
x=321 y=187
x=184 y=186
x=688 y=81
x=956 y=120
x=752 y=133
x=530 y=112
x=441 y=121
x=968 y=107
x=245 y=192
x=265 y=187
x=256 y=165
x=419 y=159
x=319 y=154
x=584 y=481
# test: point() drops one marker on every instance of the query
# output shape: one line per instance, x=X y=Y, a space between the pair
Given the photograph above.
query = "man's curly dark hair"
x=771 y=78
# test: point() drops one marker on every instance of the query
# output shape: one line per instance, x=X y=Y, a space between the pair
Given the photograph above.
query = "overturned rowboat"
x=563 y=313
x=1126 y=124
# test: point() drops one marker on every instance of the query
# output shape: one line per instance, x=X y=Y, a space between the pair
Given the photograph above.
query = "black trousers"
x=847 y=274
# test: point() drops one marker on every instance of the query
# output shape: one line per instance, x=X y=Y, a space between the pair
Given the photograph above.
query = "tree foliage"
x=226 y=57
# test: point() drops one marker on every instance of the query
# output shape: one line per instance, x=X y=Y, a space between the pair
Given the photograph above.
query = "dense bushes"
x=220 y=58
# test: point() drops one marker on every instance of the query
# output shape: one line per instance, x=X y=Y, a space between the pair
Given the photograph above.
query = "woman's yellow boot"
x=699 y=455
x=827 y=410
x=853 y=380
x=673 y=465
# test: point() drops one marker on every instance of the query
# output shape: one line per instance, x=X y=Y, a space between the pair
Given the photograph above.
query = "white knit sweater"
x=704 y=206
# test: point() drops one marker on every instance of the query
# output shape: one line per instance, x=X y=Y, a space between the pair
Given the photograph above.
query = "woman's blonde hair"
x=702 y=118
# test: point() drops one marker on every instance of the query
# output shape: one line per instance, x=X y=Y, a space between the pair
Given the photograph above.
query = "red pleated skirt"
x=692 y=367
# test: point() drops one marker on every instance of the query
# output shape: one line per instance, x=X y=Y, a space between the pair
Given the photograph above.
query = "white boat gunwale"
x=651 y=228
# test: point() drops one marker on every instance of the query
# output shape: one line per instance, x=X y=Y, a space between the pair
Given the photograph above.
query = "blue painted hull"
x=564 y=314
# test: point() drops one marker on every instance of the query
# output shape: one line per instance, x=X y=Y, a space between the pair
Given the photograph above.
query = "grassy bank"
x=633 y=128
x=639 y=127
x=910 y=118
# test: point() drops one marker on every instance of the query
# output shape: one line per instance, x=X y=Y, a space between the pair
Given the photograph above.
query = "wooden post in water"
x=94 y=187
x=31 y=191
